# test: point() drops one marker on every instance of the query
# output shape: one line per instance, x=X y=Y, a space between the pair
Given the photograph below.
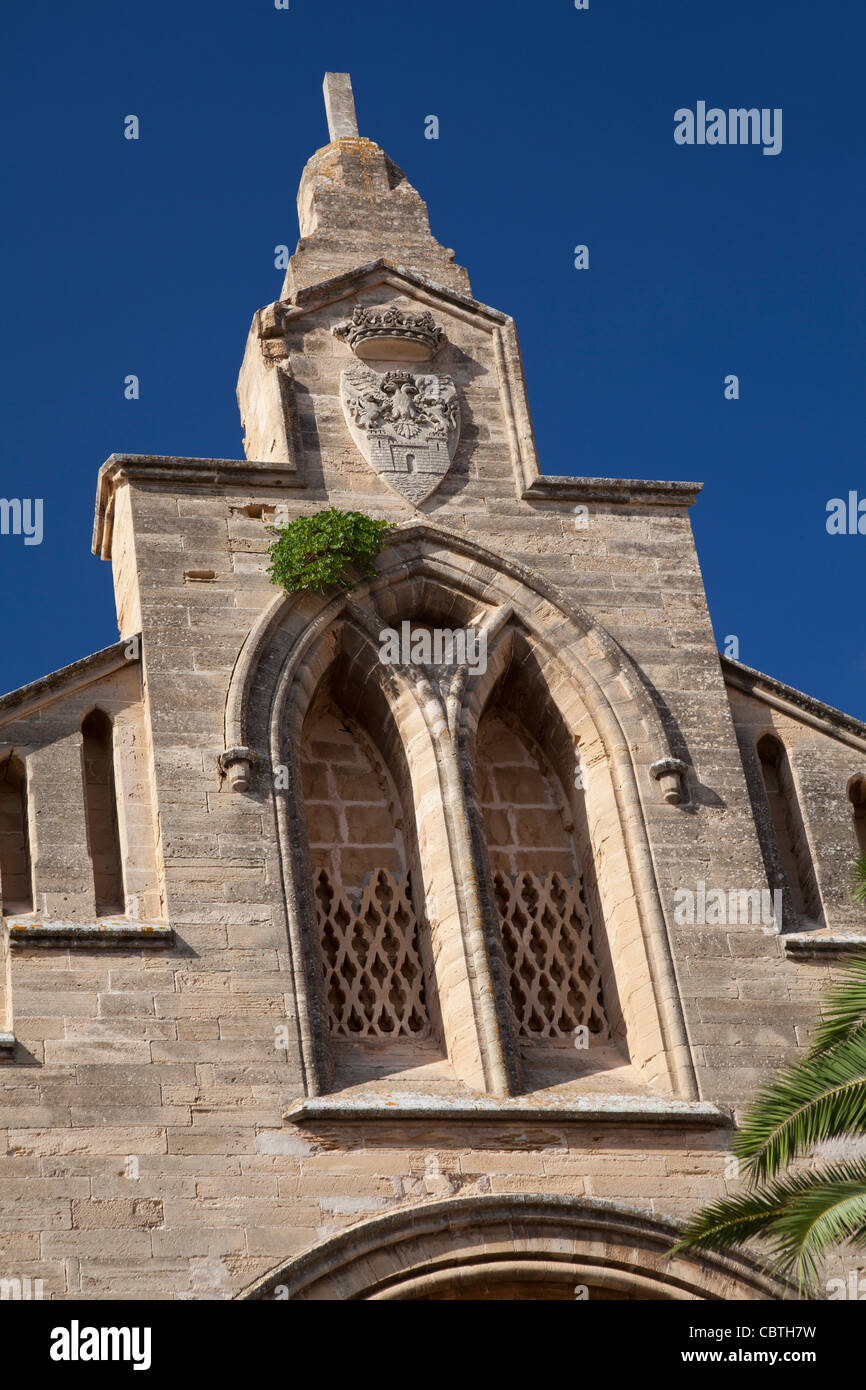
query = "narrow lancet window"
x=789 y=832
x=15 y=876
x=857 y=797
x=101 y=809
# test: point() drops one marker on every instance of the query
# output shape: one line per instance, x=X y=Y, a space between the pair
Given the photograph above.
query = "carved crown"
x=391 y=335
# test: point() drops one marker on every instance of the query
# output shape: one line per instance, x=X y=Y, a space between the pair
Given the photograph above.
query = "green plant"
x=858 y=879
x=803 y=1212
x=318 y=552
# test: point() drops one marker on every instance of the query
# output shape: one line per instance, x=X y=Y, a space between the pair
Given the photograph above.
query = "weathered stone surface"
x=179 y=1119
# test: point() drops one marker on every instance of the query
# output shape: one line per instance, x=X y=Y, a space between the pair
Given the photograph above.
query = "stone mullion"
x=498 y=1056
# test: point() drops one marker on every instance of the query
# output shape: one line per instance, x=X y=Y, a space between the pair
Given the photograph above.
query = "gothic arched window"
x=370 y=947
x=100 y=804
x=553 y=976
x=15 y=876
x=789 y=832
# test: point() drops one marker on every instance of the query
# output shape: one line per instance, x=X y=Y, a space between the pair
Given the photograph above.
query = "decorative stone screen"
x=367 y=927
x=546 y=931
x=547 y=937
x=374 y=982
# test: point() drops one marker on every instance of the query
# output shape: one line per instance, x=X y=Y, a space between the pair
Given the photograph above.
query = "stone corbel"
x=670 y=773
x=236 y=764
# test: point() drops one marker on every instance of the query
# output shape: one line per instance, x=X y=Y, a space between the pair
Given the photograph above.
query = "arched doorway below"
x=515 y=1248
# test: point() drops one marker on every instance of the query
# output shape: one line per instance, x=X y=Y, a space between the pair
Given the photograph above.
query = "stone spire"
x=355 y=206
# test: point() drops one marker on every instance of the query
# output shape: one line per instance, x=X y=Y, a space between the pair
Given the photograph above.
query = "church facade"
x=421 y=940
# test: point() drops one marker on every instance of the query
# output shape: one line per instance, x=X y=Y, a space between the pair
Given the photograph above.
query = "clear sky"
x=556 y=128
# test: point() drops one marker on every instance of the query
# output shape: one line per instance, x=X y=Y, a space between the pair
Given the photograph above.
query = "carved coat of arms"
x=406 y=425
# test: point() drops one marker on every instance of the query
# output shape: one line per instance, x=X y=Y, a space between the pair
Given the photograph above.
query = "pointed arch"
x=549 y=916
x=418 y=548
x=601 y=700
x=378 y=979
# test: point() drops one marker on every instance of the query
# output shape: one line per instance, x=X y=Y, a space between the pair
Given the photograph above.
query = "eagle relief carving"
x=405 y=424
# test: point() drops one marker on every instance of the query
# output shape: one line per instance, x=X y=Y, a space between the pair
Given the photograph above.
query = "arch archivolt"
x=513 y=1247
x=590 y=697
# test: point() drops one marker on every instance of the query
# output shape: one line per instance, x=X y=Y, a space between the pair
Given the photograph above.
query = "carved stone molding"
x=392 y=335
x=407 y=427
x=418 y=1249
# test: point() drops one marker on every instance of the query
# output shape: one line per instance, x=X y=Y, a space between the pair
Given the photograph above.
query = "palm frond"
x=858 y=879
x=801 y=1215
x=845 y=1010
x=828 y=1209
x=733 y=1220
x=821 y=1097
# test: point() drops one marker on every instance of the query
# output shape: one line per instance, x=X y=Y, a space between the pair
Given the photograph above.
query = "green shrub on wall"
x=320 y=551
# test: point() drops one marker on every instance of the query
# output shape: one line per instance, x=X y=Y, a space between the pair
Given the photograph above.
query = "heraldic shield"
x=406 y=425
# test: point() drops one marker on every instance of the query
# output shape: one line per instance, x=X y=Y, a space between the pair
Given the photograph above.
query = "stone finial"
x=340 y=106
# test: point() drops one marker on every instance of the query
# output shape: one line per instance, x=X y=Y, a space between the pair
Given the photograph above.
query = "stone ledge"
x=636 y=491
x=23 y=931
x=805 y=943
x=7 y=1042
x=402 y=1105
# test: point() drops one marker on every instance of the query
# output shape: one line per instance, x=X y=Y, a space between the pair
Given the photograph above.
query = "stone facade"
x=400 y=999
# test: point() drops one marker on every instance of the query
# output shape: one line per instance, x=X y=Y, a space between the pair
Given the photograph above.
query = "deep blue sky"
x=556 y=128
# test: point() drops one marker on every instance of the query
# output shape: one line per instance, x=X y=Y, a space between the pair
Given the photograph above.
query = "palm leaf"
x=733 y=1220
x=802 y=1215
x=821 y=1097
x=858 y=880
x=828 y=1208
x=845 y=1010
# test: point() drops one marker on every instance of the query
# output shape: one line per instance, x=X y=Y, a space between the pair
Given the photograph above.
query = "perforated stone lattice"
x=374 y=982
x=547 y=936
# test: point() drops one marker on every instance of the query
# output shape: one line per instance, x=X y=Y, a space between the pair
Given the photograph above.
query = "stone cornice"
x=274 y=317
x=818 y=945
x=549 y=487
x=401 y=1106
x=24 y=931
x=166 y=471
x=794 y=703
x=69 y=678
